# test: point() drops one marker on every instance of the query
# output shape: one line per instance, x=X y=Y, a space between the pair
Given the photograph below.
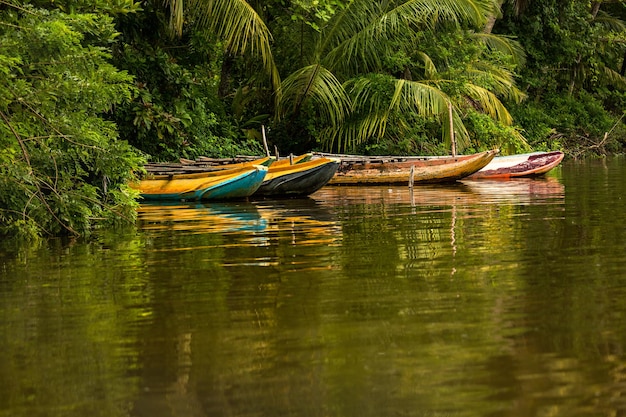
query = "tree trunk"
x=227 y=66
x=595 y=8
x=491 y=19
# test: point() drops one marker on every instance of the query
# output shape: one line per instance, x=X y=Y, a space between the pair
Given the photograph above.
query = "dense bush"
x=63 y=169
x=576 y=124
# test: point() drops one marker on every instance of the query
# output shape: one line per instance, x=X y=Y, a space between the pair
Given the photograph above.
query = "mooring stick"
x=267 y=150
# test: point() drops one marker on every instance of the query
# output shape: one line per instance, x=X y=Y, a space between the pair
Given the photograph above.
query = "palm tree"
x=348 y=83
x=235 y=22
x=341 y=77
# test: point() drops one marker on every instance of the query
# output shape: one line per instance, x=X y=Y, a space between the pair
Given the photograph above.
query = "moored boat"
x=373 y=170
x=299 y=178
x=240 y=161
x=222 y=184
x=286 y=177
x=520 y=165
x=203 y=164
x=292 y=160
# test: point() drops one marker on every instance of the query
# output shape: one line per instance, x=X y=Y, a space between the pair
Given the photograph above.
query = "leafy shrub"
x=63 y=170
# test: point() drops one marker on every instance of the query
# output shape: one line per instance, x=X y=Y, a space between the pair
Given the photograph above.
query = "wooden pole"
x=267 y=150
x=452 y=140
x=411 y=176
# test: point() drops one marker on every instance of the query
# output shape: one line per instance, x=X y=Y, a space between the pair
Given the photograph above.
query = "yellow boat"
x=286 y=177
x=219 y=184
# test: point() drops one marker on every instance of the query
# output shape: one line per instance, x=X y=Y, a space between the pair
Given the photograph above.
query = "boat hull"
x=399 y=170
x=300 y=179
x=213 y=185
x=521 y=165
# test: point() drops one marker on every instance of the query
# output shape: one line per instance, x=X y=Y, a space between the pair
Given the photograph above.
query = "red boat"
x=521 y=165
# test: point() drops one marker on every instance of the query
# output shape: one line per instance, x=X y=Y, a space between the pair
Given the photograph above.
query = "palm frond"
x=497 y=79
x=613 y=77
x=424 y=99
x=430 y=70
x=317 y=85
x=239 y=25
x=177 y=16
x=431 y=12
x=488 y=103
x=610 y=22
x=379 y=100
x=352 y=42
x=504 y=45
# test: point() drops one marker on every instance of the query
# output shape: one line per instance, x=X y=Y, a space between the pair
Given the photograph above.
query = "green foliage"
x=374 y=63
x=176 y=112
x=487 y=133
x=577 y=123
x=418 y=136
x=62 y=168
x=315 y=13
x=575 y=74
x=112 y=7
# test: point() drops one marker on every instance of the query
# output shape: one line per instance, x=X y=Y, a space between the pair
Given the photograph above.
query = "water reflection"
x=477 y=299
x=522 y=190
x=519 y=190
x=221 y=217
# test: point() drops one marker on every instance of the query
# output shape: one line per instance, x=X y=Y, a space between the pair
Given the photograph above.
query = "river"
x=482 y=298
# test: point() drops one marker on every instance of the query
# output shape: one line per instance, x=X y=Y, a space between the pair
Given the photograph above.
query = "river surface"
x=483 y=298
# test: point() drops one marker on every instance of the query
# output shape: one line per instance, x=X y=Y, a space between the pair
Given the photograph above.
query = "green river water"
x=481 y=298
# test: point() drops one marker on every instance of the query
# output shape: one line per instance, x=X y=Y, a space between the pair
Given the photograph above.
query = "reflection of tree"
x=66 y=345
x=340 y=308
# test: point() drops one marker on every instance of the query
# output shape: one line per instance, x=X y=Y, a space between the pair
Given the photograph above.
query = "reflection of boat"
x=196 y=217
x=425 y=195
x=521 y=190
x=524 y=190
x=522 y=165
x=306 y=209
x=303 y=215
x=299 y=179
x=302 y=221
x=373 y=170
x=205 y=185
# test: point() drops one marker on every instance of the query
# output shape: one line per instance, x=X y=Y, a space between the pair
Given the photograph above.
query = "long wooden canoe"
x=220 y=184
x=298 y=179
x=203 y=164
x=207 y=163
x=292 y=160
x=372 y=170
x=521 y=165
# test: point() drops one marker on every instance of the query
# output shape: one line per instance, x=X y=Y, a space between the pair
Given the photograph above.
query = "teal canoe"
x=225 y=184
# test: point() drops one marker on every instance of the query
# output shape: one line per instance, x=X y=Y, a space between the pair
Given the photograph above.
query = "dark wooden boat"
x=521 y=165
x=373 y=170
x=298 y=179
